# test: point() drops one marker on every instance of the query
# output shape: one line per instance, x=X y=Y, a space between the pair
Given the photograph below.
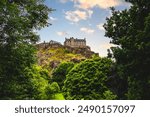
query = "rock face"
x=85 y=51
x=51 y=54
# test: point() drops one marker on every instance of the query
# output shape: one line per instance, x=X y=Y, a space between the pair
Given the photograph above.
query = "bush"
x=87 y=80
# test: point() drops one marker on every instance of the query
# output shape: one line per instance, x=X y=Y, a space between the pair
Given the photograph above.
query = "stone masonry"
x=72 y=42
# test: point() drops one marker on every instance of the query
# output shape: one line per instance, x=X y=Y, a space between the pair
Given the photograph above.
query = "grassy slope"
x=56 y=55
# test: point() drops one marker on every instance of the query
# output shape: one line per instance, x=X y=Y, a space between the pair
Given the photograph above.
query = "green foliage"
x=59 y=74
x=38 y=82
x=129 y=29
x=39 y=87
x=116 y=81
x=52 y=89
x=87 y=80
x=18 y=21
x=58 y=96
x=108 y=95
x=13 y=62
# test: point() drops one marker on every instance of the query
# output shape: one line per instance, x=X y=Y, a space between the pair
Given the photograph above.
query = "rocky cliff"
x=51 y=55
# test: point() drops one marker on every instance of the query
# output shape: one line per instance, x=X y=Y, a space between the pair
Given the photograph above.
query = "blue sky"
x=80 y=19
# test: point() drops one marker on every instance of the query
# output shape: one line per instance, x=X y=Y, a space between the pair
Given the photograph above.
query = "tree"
x=129 y=30
x=38 y=86
x=87 y=80
x=116 y=82
x=18 y=21
x=37 y=83
x=52 y=89
x=59 y=74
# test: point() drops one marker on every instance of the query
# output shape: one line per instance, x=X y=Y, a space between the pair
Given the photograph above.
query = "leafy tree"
x=87 y=80
x=18 y=21
x=37 y=84
x=116 y=82
x=52 y=89
x=129 y=29
x=59 y=74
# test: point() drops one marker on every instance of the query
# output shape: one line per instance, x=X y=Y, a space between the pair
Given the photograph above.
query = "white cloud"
x=100 y=27
x=77 y=15
x=86 y=4
x=87 y=30
x=52 y=19
x=63 y=33
x=90 y=12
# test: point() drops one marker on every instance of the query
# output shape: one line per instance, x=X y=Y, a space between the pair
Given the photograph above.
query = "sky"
x=81 y=19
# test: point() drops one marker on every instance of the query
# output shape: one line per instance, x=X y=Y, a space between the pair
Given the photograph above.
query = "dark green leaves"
x=130 y=30
x=19 y=19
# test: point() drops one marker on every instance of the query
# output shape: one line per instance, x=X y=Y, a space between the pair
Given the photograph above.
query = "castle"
x=75 y=42
x=72 y=42
x=73 y=45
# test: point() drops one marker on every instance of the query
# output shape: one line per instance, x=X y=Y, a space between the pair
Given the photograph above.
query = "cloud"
x=52 y=19
x=63 y=33
x=77 y=15
x=87 y=30
x=100 y=27
x=107 y=46
x=87 y=4
x=90 y=12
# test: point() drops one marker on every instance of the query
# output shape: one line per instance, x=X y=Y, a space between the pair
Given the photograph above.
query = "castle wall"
x=49 y=44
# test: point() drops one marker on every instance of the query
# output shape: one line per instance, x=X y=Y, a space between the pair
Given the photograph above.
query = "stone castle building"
x=72 y=42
